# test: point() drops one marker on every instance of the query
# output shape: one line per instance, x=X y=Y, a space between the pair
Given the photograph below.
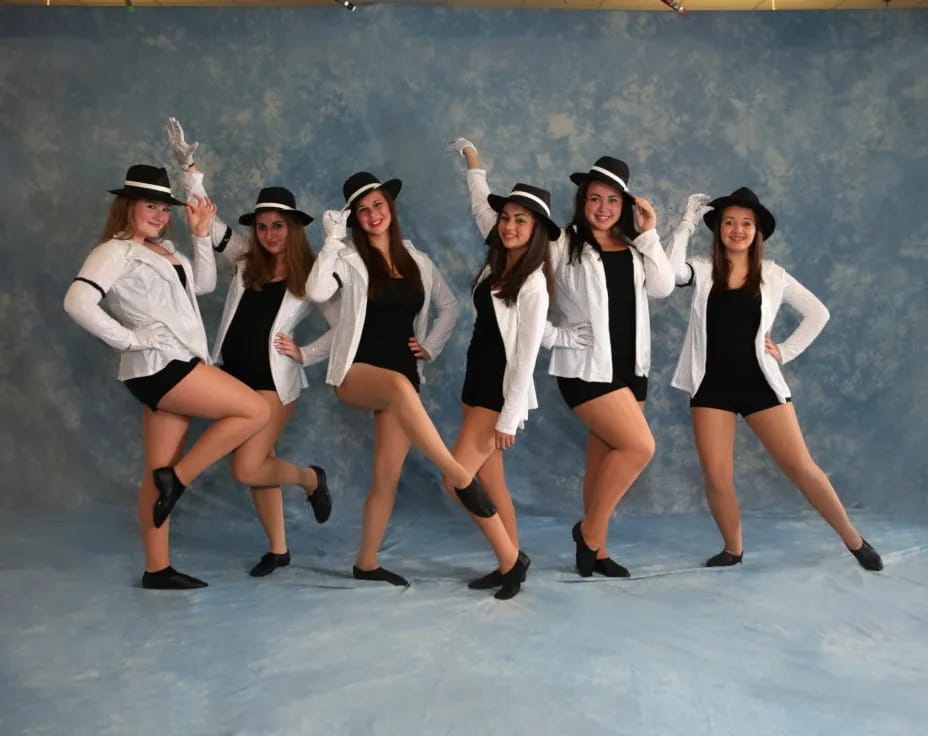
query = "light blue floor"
x=798 y=640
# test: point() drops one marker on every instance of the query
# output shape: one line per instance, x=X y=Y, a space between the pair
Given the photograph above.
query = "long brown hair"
x=377 y=271
x=510 y=282
x=119 y=221
x=580 y=231
x=721 y=267
x=258 y=264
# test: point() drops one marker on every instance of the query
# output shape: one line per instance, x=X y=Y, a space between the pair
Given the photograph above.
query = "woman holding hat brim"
x=149 y=289
x=604 y=274
x=266 y=301
x=381 y=338
x=510 y=294
x=730 y=365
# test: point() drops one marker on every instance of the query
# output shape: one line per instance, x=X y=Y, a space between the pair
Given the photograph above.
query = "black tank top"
x=620 y=284
x=486 y=353
x=245 y=351
x=732 y=321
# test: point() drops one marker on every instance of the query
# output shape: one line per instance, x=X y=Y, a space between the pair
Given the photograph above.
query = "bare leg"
x=778 y=429
x=211 y=393
x=370 y=388
x=390 y=448
x=714 y=432
x=617 y=420
x=476 y=442
x=163 y=434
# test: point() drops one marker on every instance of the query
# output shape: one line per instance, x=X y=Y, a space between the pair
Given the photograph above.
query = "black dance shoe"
x=512 y=580
x=586 y=557
x=170 y=579
x=380 y=574
x=320 y=499
x=610 y=568
x=270 y=562
x=495 y=579
x=724 y=559
x=868 y=557
x=169 y=490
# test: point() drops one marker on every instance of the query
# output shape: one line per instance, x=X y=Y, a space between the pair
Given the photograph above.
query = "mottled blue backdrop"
x=823 y=114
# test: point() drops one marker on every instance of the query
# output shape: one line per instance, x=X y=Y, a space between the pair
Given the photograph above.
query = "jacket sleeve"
x=658 y=273
x=532 y=310
x=224 y=240
x=814 y=317
x=319 y=349
x=446 y=304
x=204 y=266
x=479 y=207
x=679 y=240
x=103 y=267
x=328 y=273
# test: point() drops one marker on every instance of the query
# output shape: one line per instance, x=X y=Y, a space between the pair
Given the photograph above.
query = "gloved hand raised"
x=335 y=224
x=459 y=144
x=696 y=207
x=180 y=149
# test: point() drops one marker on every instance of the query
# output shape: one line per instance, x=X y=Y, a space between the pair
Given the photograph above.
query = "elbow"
x=72 y=303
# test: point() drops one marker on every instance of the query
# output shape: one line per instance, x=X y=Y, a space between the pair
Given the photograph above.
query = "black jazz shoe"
x=270 y=562
x=724 y=559
x=170 y=579
x=512 y=580
x=495 y=579
x=586 y=557
x=320 y=499
x=868 y=557
x=169 y=490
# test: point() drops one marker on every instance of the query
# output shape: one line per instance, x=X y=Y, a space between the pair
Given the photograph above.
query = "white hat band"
x=612 y=176
x=359 y=192
x=273 y=206
x=144 y=185
x=539 y=200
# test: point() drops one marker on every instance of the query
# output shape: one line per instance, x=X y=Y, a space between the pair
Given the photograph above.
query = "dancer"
x=266 y=301
x=730 y=365
x=604 y=274
x=149 y=289
x=510 y=294
x=381 y=337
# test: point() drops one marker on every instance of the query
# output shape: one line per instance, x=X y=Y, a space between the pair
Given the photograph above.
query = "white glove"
x=459 y=144
x=696 y=208
x=335 y=224
x=575 y=335
x=180 y=149
x=149 y=336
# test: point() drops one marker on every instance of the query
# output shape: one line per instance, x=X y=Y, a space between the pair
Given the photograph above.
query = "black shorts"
x=484 y=390
x=411 y=374
x=576 y=391
x=744 y=397
x=151 y=389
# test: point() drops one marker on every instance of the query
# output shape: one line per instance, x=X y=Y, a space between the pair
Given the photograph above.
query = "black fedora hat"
x=146 y=182
x=362 y=182
x=537 y=201
x=741 y=197
x=608 y=170
x=275 y=198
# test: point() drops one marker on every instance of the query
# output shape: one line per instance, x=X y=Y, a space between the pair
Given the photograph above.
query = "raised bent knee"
x=642 y=451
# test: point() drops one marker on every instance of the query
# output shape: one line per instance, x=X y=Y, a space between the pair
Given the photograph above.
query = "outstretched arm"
x=477 y=185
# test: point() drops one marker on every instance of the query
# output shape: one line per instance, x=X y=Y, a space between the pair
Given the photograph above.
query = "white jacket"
x=521 y=325
x=777 y=287
x=152 y=319
x=340 y=266
x=580 y=291
x=288 y=375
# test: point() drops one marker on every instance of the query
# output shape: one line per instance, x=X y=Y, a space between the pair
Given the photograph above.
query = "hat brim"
x=248 y=218
x=391 y=186
x=497 y=202
x=765 y=218
x=581 y=177
x=151 y=194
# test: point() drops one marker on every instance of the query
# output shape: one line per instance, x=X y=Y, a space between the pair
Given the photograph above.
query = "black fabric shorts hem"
x=151 y=389
x=255 y=383
x=576 y=391
x=413 y=378
x=738 y=400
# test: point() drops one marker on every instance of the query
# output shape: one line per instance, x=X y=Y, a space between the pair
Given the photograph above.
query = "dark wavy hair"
x=580 y=232
x=721 y=268
x=510 y=282
x=377 y=271
x=258 y=264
